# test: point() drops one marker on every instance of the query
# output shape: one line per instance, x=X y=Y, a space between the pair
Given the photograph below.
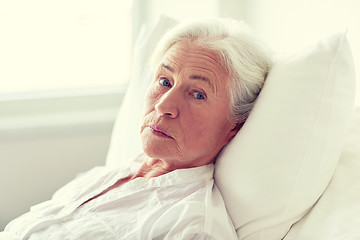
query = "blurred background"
x=65 y=66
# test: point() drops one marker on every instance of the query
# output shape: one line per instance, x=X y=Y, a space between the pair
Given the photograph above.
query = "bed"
x=293 y=171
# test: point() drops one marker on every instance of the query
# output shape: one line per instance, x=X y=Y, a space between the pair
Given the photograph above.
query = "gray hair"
x=242 y=55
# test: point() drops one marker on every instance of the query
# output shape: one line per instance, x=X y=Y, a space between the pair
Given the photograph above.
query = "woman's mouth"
x=157 y=131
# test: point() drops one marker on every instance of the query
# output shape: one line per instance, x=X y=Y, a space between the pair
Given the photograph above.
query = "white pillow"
x=283 y=158
x=337 y=213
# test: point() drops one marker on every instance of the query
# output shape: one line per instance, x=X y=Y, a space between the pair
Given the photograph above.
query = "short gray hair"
x=242 y=55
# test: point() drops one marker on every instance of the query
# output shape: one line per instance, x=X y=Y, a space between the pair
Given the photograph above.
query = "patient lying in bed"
x=207 y=76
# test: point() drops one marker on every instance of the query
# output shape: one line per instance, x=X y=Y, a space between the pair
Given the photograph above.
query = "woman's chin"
x=156 y=150
x=156 y=147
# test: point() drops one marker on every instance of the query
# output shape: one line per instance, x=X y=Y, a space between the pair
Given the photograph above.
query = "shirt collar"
x=175 y=177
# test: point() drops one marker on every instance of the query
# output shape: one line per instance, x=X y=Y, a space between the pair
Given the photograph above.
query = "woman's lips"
x=157 y=131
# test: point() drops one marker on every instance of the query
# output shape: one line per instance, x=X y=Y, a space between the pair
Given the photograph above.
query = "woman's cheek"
x=153 y=91
x=150 y=94
x=151 y=99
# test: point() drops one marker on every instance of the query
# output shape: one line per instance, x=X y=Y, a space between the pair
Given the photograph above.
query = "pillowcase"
x=336 y=214
x=282 y=160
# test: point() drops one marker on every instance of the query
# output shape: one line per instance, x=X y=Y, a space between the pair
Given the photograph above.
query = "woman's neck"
x=149 y=167
x=152 y=168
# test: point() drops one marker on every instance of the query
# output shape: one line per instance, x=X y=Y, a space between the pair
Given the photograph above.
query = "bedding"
x=283 y=159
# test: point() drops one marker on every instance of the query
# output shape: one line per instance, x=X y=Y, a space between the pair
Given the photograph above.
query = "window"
x=60 y=45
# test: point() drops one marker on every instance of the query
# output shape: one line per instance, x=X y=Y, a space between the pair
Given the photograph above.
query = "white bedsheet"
x=336 y=216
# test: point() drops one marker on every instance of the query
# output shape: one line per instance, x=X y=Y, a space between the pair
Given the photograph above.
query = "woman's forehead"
x=189 y=54
x=191 y=50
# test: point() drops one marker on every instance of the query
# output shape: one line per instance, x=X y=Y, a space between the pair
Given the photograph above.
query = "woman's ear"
x=234 y=131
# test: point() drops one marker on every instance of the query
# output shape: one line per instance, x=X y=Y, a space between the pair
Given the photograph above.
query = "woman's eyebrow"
x=167 y=67
x=193 y=77
x=199 y=77
x=202 y=78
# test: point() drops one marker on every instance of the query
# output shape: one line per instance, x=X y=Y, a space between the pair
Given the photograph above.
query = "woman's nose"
x=168 y=104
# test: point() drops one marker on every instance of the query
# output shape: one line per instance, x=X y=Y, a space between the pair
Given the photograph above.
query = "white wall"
x=149 y=10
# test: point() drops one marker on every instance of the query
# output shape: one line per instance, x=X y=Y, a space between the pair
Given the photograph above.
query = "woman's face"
x=186 y=114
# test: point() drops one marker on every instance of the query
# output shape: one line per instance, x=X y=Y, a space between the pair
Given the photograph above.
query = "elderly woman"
x=207 y=76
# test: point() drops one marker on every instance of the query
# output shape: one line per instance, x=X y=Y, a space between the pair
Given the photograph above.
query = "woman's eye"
x=199 y=95
x=165 y=82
